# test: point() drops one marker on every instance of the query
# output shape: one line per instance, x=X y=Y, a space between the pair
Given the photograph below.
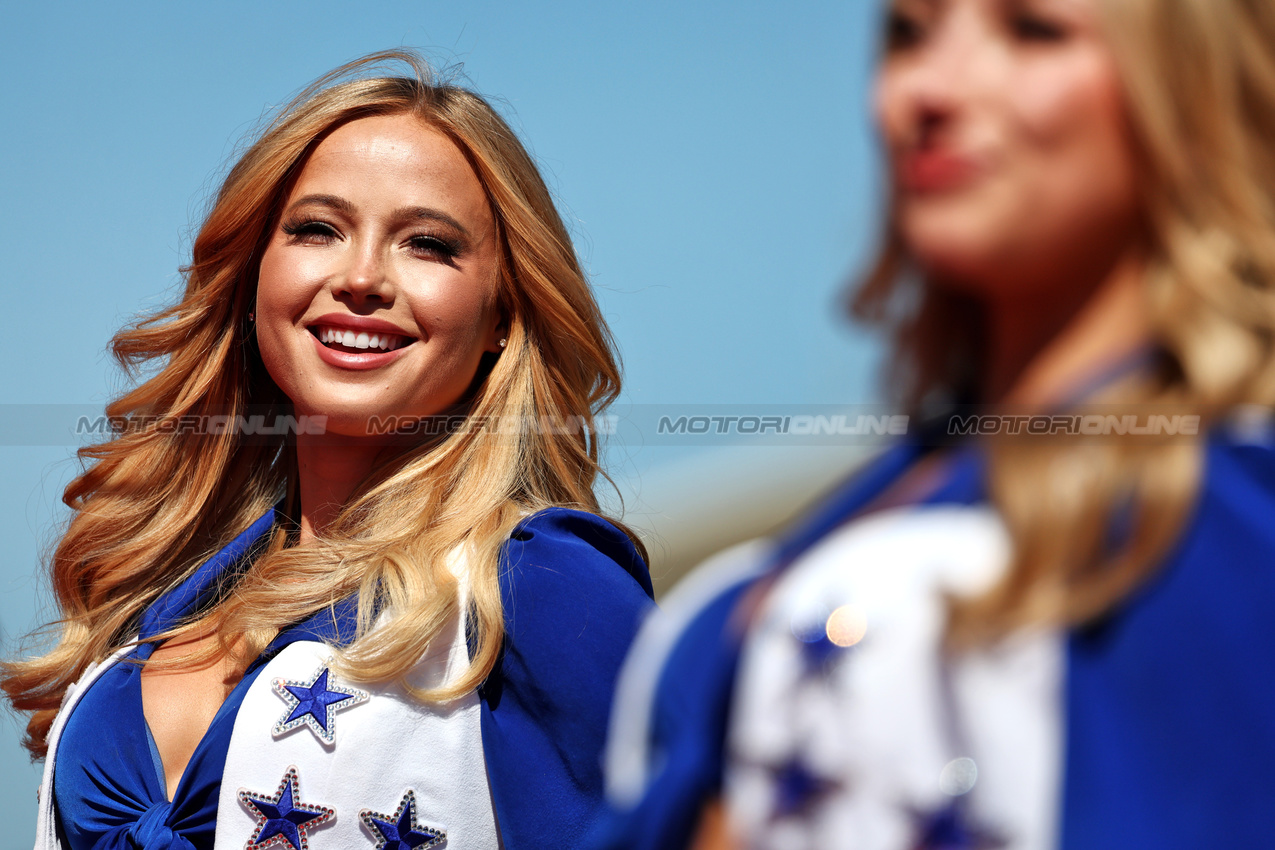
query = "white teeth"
x=360 y=340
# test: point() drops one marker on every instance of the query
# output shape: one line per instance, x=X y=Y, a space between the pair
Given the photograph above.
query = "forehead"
x=393 y=158
x=1085 y=8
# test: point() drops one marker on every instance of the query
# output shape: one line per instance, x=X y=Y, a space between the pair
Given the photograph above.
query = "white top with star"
x=365 y=768
x=850 y=732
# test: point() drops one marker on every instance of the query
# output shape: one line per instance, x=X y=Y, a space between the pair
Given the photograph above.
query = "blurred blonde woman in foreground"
x=1014 y=640
x=396 y=621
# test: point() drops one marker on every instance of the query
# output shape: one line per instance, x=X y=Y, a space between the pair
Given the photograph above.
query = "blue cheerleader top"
x=1168 y=702
x=580 y=590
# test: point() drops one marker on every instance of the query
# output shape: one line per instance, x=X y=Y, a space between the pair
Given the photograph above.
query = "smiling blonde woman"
x=362 y=630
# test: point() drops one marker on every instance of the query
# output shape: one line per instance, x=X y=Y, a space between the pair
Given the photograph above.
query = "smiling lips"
x=937 y=171
x=357 y=342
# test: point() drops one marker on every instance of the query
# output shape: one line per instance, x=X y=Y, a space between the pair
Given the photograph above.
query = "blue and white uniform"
x=805 y=684
x=297 y=758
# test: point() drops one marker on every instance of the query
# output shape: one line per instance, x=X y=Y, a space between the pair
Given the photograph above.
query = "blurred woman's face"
x=1006 y=130
x=377 y=291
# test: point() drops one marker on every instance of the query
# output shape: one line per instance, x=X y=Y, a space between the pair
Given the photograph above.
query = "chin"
x=960 y=244
x=964 y=264
x=347 y=420
x=352 y=420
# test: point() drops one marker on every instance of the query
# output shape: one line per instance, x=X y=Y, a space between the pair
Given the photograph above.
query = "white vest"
x=382 y=747
x=889 y=732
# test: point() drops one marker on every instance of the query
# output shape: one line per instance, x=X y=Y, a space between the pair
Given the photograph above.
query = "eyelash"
x=903 y=31
x=434 y=245
x=1032 y=28
x=309 y=229
x=313 y=231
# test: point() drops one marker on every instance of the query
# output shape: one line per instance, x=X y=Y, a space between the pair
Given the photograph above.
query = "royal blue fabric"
x=688 y=733
x=1170 y=701
x=1170 y=738
x=108 y=792
x=574 y=590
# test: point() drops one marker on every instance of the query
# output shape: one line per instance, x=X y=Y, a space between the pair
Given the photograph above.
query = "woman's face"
x=1006 y=130
x=377 y=292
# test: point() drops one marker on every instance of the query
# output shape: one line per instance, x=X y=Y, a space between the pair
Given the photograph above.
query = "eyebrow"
x=341 y=205
x=929 y=5
x=431 y=214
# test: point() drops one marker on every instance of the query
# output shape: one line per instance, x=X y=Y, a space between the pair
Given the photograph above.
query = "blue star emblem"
x=400 y=831
x=315 y=704
x=797 y=789
x=283 y=821
x=950 y=828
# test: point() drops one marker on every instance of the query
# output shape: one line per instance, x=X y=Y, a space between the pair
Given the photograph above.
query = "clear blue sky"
x=715 y=161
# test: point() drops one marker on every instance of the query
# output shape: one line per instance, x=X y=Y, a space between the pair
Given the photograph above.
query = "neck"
x=329 y=469
x=1039 y=349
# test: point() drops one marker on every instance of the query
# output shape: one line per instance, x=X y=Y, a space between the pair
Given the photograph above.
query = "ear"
x=498 y=334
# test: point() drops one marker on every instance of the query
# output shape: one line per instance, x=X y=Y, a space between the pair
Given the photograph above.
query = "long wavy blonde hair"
x=152 y=504
x=1199 y=85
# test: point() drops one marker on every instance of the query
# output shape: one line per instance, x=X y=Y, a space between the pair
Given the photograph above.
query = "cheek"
x=282 y=283
x=1083 y=91
x=280 y=299
x=456 y=324
x=889 y=107
x=452 y=305
x=1072 y=129
x=1065 y=176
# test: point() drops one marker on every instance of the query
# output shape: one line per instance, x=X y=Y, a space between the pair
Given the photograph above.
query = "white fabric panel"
x=383 y=747
x=876 y=729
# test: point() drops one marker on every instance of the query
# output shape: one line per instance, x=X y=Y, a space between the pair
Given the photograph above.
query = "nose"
x=368 y=279
x=923 y=92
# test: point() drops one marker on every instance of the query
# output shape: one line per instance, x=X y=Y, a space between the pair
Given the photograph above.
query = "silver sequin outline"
x=291 y=776
x=408 y=801
x=328 y=736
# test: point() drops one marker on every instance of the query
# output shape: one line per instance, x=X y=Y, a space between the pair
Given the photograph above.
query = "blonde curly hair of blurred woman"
x=152 y=505
x=1199 y=86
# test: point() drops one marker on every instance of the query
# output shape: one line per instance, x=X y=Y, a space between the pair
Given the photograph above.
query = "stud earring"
x=503 y=343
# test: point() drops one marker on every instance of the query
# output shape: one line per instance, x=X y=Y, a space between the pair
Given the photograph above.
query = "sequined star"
x=797 y=788
x=950 y=828
x=400 y=831
x=283 y=821
x=315 y=704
